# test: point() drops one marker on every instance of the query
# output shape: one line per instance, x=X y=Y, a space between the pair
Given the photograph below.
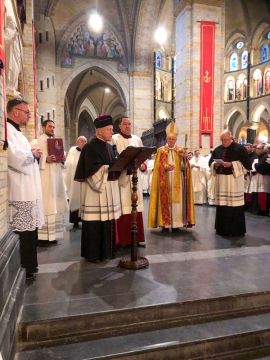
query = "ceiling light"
x=161 y=36
x=95 y=22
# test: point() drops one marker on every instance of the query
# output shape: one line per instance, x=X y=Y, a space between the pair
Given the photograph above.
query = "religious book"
x=132 y=157
x=219 y=161
x=56 y=148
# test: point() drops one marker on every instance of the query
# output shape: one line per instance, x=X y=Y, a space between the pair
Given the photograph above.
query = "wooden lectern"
x=131 y=158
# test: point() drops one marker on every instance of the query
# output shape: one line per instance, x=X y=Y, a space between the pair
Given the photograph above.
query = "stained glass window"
x=265 y=52
x=244 y=59
x=233 y=62
x=230 y=89
x=267 y=82
x=258 y=84
x=239 y=45
x=158 y=60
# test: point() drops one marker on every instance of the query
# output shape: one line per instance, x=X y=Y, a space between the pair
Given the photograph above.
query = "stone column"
x=141 y=99
x=187 y=79
x=28 y=72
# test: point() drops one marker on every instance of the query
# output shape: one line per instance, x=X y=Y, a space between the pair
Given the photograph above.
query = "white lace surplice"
x=24 y=192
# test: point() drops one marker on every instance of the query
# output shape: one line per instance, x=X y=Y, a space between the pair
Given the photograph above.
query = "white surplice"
x=199 y=179
x=54 y=195
x=229 y=190
x=176 y=211
x=258 y=183
x=73 y=187
x=211 y=182
x=24 y=190
x=100 y=199
x=125 y=180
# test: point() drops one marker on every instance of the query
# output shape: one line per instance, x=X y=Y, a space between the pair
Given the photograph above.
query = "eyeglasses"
x=26 y=112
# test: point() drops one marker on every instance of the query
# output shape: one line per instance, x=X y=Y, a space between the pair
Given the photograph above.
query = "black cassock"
x=98 y=237
x=230 y=220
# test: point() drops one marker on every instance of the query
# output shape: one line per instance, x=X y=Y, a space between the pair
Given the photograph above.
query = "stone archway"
x=91 y=92
x=86 y=125
x=261 y=121
x=234 y=118
x=262 y=109
x=235 y=122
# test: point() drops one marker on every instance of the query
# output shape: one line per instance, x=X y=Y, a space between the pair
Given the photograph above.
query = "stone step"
x=83 y=327
x=240 y=338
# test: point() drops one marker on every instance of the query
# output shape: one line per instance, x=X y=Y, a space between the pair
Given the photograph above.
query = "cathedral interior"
x=208 y=69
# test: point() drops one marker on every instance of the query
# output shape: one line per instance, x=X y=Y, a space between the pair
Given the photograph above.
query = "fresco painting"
x=82 y=43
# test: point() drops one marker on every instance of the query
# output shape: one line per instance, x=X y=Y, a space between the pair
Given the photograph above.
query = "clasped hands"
x=226 y=164
x=36 y=152
x=169 y=167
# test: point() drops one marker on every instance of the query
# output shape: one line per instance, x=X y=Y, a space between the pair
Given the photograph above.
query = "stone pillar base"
x=12 y=285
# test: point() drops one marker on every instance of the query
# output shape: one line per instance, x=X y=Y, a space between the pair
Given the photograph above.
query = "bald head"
x=81 y=141
x=226 y=138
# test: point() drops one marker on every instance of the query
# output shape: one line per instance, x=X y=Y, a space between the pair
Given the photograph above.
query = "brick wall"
x=27 y=93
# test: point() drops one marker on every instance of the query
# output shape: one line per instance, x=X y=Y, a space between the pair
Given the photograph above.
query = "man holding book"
x=227 y=163
x=53 y=188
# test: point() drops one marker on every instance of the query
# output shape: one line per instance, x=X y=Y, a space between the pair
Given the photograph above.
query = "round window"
x=239 y=45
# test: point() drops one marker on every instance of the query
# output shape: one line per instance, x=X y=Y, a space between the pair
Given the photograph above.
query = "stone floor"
x=192 y=264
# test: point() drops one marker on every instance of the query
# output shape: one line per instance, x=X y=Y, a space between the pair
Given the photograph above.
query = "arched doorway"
x=92 y=92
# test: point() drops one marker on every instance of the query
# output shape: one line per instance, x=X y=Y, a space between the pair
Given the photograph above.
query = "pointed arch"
x=257 y=40
x=65 y=46
x=259 y=110
x=230 y=48
x=106 y=69
x=235 y=119
x=88 y=106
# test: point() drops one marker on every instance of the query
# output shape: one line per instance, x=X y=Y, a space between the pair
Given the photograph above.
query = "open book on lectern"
x=132 y=157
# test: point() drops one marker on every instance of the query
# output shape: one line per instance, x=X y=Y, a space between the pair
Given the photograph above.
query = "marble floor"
x=192 y=264
x=186 y=268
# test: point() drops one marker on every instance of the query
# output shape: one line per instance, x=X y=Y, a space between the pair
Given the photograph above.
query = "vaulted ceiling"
x=131 y=20
x=244 y=16
x=91 y=84
x=135 y=20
